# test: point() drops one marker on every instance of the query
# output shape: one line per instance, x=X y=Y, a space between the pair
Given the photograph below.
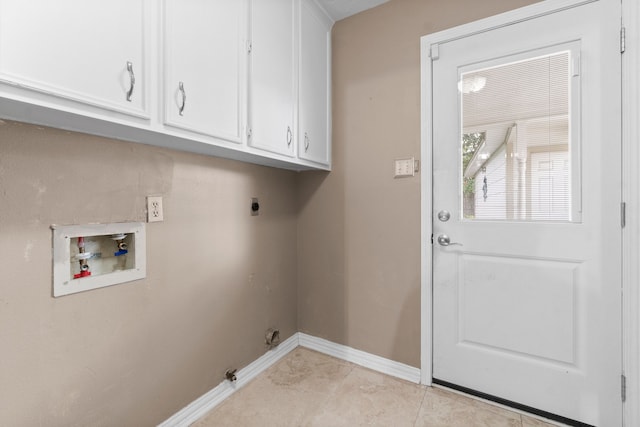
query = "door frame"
x=630 y=184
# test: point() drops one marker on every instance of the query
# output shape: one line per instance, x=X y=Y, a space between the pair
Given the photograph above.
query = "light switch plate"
x=404 y=167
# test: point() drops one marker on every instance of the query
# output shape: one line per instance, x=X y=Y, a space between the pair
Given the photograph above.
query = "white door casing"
x=493 y=332
x=631 y=194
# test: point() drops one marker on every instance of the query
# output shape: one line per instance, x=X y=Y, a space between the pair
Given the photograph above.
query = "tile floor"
x=307 y=388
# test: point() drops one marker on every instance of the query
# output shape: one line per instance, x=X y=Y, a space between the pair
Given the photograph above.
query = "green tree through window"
x=470 y=144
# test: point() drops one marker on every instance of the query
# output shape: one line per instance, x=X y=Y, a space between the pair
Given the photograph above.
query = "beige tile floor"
x=307 y=388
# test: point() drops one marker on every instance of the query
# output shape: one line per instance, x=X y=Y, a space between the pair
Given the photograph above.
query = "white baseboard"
x=205 y=403
x=368 y=360
x=198 y=408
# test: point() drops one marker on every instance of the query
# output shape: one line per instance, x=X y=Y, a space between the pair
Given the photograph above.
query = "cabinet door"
x=91 y=51
x=314 y=108
x=202 y=62
x=272 y=76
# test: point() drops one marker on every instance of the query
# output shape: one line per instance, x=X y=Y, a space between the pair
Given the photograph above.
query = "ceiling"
x=340 y=9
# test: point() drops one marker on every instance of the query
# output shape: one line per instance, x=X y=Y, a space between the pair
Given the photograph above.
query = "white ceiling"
x=340 y=9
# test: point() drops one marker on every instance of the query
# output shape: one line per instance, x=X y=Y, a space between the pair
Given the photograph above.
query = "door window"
x=519 y=150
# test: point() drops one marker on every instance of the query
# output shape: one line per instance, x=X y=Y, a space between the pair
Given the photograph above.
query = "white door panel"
x=526 y=307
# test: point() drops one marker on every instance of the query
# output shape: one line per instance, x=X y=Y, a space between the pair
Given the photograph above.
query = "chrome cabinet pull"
x=289 y=136
x=306 y=142
x=132 y=78
x=184 y=98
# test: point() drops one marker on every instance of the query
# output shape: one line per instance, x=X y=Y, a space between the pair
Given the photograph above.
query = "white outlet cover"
x=155 y=211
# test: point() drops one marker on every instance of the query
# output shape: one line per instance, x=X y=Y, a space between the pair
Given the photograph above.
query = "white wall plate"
x=112 y=254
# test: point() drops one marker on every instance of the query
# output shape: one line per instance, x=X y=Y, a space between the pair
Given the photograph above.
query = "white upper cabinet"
x=315 y=85
x=272 y=76
x=70 y=53
x=242 y=79
x=204 y=53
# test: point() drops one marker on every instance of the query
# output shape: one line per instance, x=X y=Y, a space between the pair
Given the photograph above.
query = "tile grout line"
x=424 y=397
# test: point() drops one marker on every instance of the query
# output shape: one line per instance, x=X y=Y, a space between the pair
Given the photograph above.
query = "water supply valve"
x=121 y=245
x=82 y=274
x=82 y=258
x=93 y=256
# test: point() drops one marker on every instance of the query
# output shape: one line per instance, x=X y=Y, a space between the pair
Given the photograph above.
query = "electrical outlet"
x=255 y=206
x=154 y=209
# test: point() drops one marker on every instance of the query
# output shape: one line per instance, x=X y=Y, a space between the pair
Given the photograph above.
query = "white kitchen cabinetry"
x=314 y=112
x=204 y=52
x=241 y=79
x=272 y=76
x=79 y=56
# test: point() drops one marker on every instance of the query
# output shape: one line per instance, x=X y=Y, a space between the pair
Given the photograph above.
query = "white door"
x=527 y=163
x=204 y=48
x=272 y=76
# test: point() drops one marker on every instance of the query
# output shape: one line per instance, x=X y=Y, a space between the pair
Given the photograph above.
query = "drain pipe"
x=230 y=375
x=272 y=338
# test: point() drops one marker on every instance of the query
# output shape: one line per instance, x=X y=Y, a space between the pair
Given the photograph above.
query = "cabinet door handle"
x=132 y=79
x=289 y=136
x=184 y=98
x=307 y=142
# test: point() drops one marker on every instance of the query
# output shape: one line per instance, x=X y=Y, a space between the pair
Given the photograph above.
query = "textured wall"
x=359 y=228
x=134 y=354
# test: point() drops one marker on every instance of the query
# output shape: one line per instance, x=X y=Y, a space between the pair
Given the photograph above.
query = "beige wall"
x=359 y=243
x=134 y=354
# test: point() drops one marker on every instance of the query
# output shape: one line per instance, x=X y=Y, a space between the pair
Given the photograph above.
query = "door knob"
x=444 y=240
x=444 y=216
